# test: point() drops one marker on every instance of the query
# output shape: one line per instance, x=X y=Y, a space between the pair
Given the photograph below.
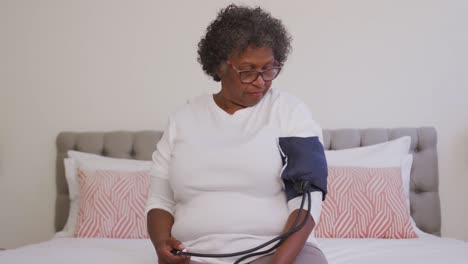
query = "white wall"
x=105 y=65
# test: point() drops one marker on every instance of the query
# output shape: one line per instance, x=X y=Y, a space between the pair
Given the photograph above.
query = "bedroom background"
x=126 y=65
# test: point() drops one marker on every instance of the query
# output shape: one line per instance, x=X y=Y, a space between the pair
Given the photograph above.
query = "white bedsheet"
x=425 y=250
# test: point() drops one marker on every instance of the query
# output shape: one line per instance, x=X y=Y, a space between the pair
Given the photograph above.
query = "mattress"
x=427 y=249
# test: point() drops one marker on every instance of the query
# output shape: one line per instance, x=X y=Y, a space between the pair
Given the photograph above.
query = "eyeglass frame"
x=259 y=73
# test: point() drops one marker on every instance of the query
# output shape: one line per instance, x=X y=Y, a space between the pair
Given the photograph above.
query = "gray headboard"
x=425 y=204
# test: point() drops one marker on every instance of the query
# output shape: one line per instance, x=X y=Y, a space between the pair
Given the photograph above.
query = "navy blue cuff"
x=303 y=161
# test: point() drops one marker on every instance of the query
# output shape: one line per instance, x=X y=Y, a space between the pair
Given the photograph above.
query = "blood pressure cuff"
x=304 y=162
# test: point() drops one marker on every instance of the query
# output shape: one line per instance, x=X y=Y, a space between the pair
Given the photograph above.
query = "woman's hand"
x=163 y=249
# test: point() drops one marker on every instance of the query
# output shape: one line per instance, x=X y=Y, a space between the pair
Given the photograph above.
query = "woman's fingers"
x=174 y=243
x=166 y=255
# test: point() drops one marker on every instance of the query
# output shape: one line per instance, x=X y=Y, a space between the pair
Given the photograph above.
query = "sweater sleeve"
x=301 y=124
x=160 y=194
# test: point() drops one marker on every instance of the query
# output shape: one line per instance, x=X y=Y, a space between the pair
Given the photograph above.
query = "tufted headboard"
x=424 y=197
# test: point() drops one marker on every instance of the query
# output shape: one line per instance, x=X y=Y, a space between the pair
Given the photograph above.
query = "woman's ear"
x=221 y=70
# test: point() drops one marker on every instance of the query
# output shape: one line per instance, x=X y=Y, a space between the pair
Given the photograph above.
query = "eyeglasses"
x=250 y=76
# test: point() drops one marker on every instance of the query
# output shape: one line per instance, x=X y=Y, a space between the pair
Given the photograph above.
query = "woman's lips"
x=255 y=94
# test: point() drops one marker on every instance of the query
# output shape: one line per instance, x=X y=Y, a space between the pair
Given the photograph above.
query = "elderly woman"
x=216 y=186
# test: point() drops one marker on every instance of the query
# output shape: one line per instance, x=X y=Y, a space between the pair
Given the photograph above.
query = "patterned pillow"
x=112 y=204
x=365 y=203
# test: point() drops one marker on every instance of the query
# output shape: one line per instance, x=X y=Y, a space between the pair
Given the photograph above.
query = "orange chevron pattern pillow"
x=112 y=204
x=365 y=203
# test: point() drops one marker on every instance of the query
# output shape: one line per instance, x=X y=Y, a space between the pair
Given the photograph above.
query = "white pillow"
x=394 y=153
x=96 y=162
x=374 y=155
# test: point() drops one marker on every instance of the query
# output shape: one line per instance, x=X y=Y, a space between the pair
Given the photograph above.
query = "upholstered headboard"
x=425 y=204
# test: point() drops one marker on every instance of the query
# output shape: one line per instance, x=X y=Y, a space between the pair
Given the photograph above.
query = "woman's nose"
x=259 y=81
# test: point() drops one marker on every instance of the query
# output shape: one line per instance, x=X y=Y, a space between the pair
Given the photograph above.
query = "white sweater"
x=219 y=174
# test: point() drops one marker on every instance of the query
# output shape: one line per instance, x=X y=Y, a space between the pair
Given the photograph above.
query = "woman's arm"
x=159 y=225
x=290 y=248
x=160 y=203
x=159 y=229
x=298 y=122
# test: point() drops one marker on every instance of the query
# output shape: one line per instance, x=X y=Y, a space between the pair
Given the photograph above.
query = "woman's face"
x=239 y=93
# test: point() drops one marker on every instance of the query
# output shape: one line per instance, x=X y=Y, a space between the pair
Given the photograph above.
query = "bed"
x=424 y=200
